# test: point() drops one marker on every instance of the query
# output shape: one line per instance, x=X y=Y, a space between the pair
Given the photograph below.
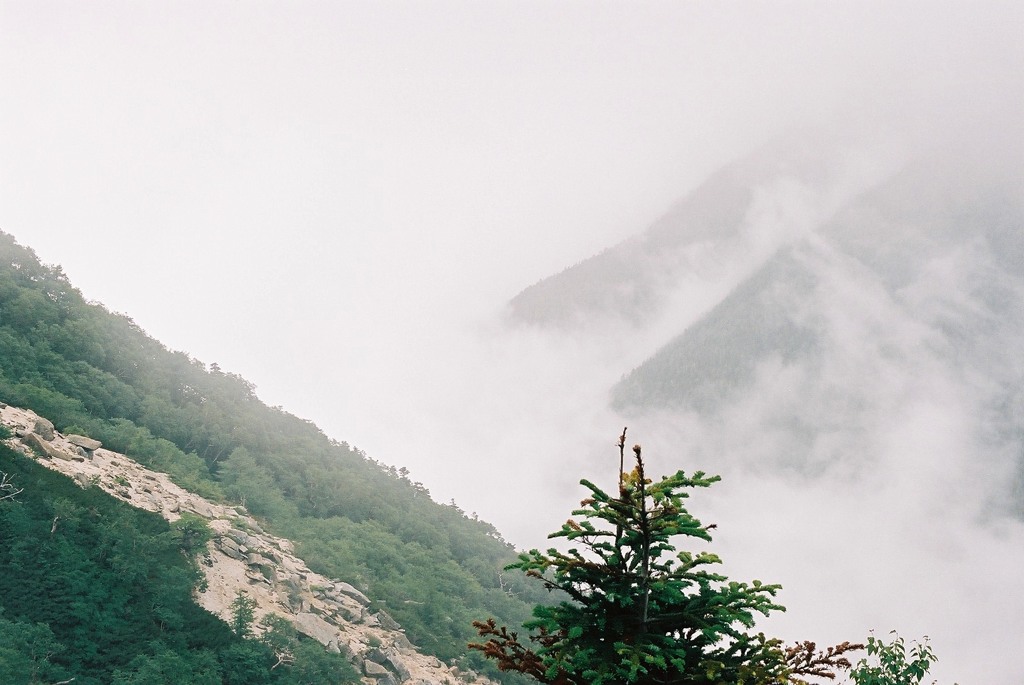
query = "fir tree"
x=638 y=610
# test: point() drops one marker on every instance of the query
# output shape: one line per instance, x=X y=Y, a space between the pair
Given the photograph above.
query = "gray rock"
x=35 y=440
x=386 y=622
x=44 y=429
x=84 y=442
x=398 y=665
x=230 y=548
x=199 y=507
x=255 y=577
x=382 y=675
x=346 y=613
x=345 y=649
x=254 y=559
x=349 y=591
x=390 y=659
x=403 y=644
x=315 y=627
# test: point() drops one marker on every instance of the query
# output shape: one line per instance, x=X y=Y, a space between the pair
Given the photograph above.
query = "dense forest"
x=94 y=372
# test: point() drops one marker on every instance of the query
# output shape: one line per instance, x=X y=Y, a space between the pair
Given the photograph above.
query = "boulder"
x=44 y=429
x=315 y=627
x=239 y=536
x=199 y=506
x=230 y=548
x=403 y=644
x=398 y=665
x=37 y=441
x=382 y=675
x=344 y=648
x=349 y=591
x=84 y=442
x=390 y=659
x=254 y=559
x=386 y=622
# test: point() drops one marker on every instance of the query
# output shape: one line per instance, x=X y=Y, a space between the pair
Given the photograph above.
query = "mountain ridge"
x=242 y=558
x=98 y=374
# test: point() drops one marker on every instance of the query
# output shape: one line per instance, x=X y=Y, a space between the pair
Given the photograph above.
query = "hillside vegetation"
x=94 y=372
x=95 y=591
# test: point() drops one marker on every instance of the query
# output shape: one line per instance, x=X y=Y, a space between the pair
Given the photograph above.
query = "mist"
x=339 y=201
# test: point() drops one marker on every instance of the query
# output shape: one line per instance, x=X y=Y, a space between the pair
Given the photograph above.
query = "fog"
x=338 y=200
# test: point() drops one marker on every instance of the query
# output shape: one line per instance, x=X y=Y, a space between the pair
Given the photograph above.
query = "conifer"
x=636 y=609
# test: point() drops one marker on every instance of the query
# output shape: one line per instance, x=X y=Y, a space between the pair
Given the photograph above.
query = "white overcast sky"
x=335 y=199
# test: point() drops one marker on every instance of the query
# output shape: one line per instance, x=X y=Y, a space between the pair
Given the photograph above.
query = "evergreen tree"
x=639 y=611
x=243 y=612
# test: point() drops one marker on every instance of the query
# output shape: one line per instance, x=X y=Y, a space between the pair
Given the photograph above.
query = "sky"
x=336 y=200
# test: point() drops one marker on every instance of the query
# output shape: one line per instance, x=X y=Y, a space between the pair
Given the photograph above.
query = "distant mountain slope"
x=946 y=254
x=702 y=233
x=718 y=356
x=627 y=280
x=844 y=314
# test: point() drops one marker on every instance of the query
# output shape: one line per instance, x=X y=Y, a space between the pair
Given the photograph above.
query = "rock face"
x=83 y=442
x=43 y=428
x=34 y=440
x=244 y=558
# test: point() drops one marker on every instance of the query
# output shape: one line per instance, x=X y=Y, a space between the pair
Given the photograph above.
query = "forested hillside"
x=94 y=591
x=94 y=372
x=939 y=246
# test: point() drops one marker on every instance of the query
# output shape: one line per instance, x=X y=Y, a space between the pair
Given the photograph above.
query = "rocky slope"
x=242 y=557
